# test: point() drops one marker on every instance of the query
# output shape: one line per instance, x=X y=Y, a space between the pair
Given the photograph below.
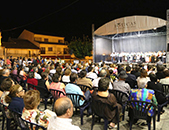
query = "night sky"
x=69 y=18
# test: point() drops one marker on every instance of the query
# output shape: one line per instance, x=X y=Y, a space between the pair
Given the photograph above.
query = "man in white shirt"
x=64 y=111
x=91 y=74
x=103 y=73
x=37 y=76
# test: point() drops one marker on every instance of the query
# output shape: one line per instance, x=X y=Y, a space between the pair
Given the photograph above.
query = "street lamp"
x=103 y=56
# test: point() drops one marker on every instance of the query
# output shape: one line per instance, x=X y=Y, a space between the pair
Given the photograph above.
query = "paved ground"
x=162 y=125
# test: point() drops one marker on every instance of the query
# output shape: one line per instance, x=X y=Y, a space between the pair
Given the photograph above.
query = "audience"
x=121 y=85
x=5 y=86
x=131 y=79
x=31 y=112
x=104 y=96
x=91 y=73
x=73 y=88
x=64 y=111
x=103 y=73
x=143 y=79
x=166 y=79
x=56 y=84
x=66 y=76
x=5 y=74
x=15 y=98
x=83 y=80
x=11 y=94
x=157 y=87
x=31 y=79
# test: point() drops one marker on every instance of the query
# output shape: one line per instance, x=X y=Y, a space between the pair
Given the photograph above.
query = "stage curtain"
x=140 y=44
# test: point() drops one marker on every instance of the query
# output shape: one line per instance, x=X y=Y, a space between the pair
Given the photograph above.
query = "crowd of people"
x=135 y=80
x=135 y=57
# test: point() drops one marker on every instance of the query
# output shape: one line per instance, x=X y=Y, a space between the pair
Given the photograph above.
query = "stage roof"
x=130 y=24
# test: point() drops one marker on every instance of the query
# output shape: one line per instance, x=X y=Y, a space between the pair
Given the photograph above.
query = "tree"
x=80 y=47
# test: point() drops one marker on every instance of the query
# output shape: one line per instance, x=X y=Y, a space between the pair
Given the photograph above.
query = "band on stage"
x=135 y=57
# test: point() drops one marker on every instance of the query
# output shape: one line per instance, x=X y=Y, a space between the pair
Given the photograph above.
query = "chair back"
x=84 y=88
x=98 y=108
x=99 y=111
x=120 y=96
x=32 y=126
x=44 y=93
x=140 y=109
x=166 y=89
x=75 y=98
x=17 y=119
x=3 y=108
x=56 y=93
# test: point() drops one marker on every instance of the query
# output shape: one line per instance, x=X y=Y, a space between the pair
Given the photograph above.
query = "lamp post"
x=103 y=56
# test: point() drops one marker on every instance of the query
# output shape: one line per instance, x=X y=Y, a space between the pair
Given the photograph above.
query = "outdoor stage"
x=130 y=34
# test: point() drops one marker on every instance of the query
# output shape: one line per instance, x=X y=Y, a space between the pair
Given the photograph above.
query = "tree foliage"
x=80 y=47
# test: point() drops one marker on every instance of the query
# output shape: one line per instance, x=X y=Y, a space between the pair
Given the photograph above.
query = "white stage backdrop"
x=139 y=44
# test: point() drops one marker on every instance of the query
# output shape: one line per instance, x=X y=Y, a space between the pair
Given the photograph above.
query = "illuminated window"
x=38 y=39
x=66 y=51
x=60 y=41
x=45 y=39
x=42 y=50
x=50 y=49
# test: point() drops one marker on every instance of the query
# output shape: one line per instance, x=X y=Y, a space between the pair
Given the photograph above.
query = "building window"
x=38 y=39
x=60 y=41
x=59 y=50
x=50 y=49
x=45 y=39
x=42 y=50
x=66 y=51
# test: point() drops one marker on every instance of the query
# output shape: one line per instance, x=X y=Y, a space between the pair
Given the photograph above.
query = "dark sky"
x=69 y=18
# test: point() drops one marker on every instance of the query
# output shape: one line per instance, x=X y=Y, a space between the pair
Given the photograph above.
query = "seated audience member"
x=15 y=98
x=30 y=112
x=143 y=79
x=52 y=70
x=166 y=79
x=5 y=74
x=103 y=73
x=136 y=71
x=23 y=74
x=49 y=75
x=113 y=76
x=154 y=85
x=91 y=73
x=5 y=86
x=15 y=71
x=104 y=96
x=31 y=79
x=73 y=88
x=121 y=85
x=42 y=83
x=142 y=95
x=83 y=80
x=56 y=84
x=131 y=79
x=37 y=76
x=66 y=76
x=64 y=111
x=73 y=70
x=160 y=73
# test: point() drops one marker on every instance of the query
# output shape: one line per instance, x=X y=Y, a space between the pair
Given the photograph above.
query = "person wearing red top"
x=8 y=62
x=31 y=79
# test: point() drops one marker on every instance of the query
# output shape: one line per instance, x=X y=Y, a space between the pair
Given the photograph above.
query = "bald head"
x=103 y=73
x=62 y=105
